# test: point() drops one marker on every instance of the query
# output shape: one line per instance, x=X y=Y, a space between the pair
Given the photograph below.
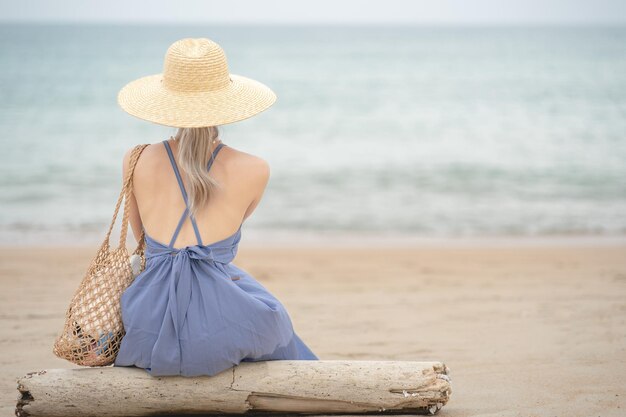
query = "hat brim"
x=147 y=99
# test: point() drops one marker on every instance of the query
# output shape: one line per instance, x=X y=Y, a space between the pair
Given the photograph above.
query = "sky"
x=466 y=12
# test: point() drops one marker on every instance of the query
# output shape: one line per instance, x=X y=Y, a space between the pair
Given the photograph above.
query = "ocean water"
x=413 y=131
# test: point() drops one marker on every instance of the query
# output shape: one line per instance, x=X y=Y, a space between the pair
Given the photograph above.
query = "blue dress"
x=187 y=313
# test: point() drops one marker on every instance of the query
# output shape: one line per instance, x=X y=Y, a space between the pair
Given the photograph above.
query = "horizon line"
x=485 y=23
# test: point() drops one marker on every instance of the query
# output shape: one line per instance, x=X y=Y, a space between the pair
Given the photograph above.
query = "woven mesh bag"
x=93 y=327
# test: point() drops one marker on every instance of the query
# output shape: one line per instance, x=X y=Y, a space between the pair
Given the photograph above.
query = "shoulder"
x=148 y=156
x=251 y=167
x=248 y=165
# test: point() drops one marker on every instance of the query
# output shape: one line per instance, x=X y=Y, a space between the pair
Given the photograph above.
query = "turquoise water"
x=433 y=132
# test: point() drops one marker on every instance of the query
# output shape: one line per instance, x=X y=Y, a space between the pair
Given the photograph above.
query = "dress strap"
x=185 y=198
x=214 y=155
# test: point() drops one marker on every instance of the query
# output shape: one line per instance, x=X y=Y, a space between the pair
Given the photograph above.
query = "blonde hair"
x=194 y=151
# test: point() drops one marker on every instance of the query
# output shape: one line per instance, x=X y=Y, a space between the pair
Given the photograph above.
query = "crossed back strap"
x=186 y=212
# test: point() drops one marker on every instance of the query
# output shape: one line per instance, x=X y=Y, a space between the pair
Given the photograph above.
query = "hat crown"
x=195 y=65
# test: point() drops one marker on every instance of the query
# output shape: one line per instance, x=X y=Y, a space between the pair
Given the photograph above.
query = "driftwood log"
x=279 y=386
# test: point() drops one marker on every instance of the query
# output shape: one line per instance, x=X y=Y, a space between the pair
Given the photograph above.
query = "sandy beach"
x=527 y=330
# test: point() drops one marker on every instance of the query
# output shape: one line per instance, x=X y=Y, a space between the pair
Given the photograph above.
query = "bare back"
x=158 y=203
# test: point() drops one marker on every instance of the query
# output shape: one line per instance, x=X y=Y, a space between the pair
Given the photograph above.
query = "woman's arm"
x=259 y=183
x=134 y=218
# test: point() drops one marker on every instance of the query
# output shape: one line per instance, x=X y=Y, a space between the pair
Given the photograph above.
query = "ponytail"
x=194 y=150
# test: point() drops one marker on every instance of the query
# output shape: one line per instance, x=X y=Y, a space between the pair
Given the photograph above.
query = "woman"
x=191 y=311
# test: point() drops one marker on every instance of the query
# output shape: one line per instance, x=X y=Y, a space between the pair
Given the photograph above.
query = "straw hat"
x=195 y=89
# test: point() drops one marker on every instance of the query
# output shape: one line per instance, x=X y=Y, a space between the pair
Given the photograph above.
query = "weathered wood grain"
x=308 y=387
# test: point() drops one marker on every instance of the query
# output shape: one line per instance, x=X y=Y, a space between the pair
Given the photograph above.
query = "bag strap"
x=125 y=194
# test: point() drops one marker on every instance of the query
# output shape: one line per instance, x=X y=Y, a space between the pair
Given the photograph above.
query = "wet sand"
x=527 y=330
